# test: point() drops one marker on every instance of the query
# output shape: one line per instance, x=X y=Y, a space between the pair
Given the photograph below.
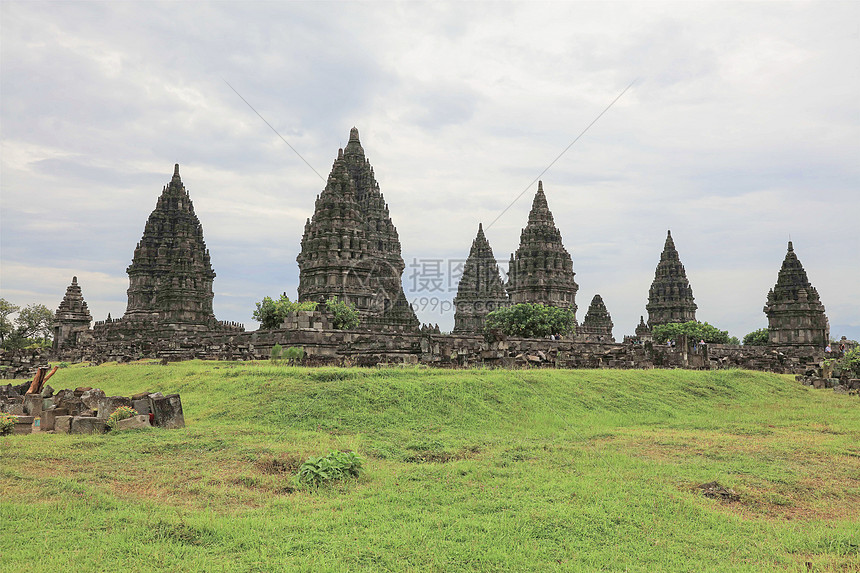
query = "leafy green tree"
x=6 y=327
x=345 y=314
x=271 y=313
x=36 y=321
x=693 y=330
x=758 y=337
x=531 y=320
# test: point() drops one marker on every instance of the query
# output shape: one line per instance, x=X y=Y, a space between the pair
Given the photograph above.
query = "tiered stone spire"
x=597 y=325
x=480 y=290
x=670 y=298
x=541 y=270
x=795 y=314
x=170 y=276
x=351 y=249
x=72 y=319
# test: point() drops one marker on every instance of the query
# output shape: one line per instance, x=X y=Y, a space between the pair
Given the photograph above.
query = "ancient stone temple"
x=670 y=298
x=597 y=325
x=72 y=319
x=480 y=290
x=350 y=247
x=170 y=276
x=795 y=315
x=541 y=270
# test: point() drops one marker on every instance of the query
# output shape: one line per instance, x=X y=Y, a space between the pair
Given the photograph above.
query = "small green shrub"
x=121 y=413
x=276 y=353
x=693 y=330
x=7 y=422
x=345 y=314
x=271 y=313
x=335 y=466
x=758 y=337
x=531 y=320
x=294 y=353
x=63 y=365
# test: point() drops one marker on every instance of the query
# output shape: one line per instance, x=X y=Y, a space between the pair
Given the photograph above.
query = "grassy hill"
x=465 y=471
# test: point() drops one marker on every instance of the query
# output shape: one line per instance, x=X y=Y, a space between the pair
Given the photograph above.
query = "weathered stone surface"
x=840 y=389
x=49 y=418
x=87 y=425
x=47 y=391
x=141 y=405
x=670 y=298
x=91 y=398
x=110 y=403
x=854 y=384
x=795 y=315
x=541 y=269
x=134 y=423
x=480 y=290
x=167 y=411
x=63 y=424
x=140 y=396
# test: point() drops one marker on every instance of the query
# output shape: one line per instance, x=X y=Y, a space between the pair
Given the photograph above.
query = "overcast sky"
x=742 y=130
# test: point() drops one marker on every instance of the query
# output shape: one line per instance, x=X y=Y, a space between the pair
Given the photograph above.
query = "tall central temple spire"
x=350 y=247
x=541 y=270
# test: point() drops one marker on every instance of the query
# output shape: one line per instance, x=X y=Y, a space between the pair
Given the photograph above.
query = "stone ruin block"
x=108 y=404
x=49 y=418
x=90 y=397
x=141 y=405
x=24 y=425
x=167 y=411
x=88 y=425
x=63 y=424
x=33 y=404
x=854 y=384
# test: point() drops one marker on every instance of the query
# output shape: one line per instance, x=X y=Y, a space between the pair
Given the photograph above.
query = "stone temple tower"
x=170 y=276
x=350 y=247
x=670 y=298
x=541 y=270
x=480 y=290
x=795 y=315
x=597 y=324
x=72 y=319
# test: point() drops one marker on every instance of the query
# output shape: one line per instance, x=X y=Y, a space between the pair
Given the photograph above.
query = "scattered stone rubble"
x=86 y=410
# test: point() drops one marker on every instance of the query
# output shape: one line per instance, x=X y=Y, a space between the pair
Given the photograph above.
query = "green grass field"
x=473 y=470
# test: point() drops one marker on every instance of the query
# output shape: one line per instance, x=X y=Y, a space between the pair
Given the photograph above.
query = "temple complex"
x=795 y=315
x=670 y=298
x=597 y=324
x=72 y=319
x=480 y=290
x=350 y=247
x=541 y=270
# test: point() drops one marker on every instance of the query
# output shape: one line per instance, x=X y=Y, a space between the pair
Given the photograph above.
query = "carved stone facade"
x=597 y=325
x=643 y=333
x=72 y=319
x=670 y=298
x=541 y=270
x=480 y=290
x=350 y=247
x=795 y=315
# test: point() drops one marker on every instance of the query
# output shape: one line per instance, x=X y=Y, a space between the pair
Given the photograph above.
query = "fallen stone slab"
x=91 y=398
x=32 y=404
x=134 y=423
x=141 y=405
x=88 y=425
x=49 y=418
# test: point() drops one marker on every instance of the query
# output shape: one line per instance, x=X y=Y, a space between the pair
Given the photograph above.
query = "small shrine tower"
x=670 y=298
x=480 y=290
x=795 y=315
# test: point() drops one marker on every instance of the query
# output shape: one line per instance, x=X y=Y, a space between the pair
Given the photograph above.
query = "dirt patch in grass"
x=440 y=456
x=282 y=464
x=714 y=490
